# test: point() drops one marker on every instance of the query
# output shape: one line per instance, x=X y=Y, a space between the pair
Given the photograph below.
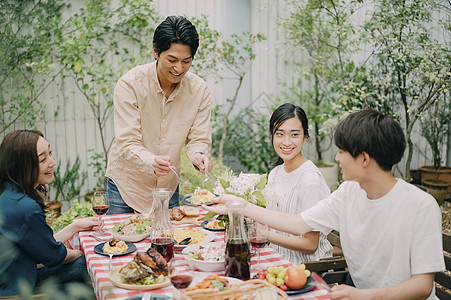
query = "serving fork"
x=179 y=178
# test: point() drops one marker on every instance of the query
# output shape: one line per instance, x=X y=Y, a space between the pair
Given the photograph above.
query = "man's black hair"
x=374 y=133
x=178 y=30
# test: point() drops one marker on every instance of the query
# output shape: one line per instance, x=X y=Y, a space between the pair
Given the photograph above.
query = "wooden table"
x=105 y=289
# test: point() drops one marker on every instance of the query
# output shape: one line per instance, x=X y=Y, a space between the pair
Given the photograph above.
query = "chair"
x=334 y=263
x=442 y=279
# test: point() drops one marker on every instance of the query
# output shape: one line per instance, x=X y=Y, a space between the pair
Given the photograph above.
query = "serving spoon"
x=185 y=241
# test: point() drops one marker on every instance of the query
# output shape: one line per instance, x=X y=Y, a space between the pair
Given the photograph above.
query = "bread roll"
x=190 y=211
x=176 y=213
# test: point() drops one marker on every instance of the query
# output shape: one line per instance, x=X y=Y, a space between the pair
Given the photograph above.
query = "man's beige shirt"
x=146 y=124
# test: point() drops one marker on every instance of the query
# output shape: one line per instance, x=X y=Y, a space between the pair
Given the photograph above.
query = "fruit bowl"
x=292 y=280
x=202 y=265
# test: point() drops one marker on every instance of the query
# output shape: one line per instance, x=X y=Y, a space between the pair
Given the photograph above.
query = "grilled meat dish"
x=149 y=263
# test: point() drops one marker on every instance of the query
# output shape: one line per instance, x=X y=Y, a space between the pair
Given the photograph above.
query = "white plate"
x=208 y=238
x=115 y=277
x=200 y=277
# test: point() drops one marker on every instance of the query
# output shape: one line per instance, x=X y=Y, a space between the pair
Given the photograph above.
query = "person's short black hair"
x=374 y=133
x=178 y=30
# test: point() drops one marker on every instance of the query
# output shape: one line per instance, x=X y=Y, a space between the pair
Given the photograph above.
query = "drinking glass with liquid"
x=181 y=275
x=100 y=205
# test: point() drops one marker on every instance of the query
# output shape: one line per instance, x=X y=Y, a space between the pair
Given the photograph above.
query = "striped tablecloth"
x=105 y=289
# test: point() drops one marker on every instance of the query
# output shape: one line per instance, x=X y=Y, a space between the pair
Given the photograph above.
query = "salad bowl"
x=213 y=262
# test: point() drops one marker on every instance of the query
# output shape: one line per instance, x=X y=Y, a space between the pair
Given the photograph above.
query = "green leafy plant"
x=218 y=54
x=410 y=69
x=29 y=38
x=77 y=210
x=247 y=139
x=96 y=51
x=324 y=32
x=190 y=174
x=435 y=129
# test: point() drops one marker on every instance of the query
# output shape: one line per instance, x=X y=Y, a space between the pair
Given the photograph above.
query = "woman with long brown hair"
x=26 y=166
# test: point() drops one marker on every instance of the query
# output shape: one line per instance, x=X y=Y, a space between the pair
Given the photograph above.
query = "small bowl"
x=201 y=265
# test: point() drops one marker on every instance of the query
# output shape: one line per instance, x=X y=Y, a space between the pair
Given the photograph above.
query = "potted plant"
x=66 y=186
x=435 y=128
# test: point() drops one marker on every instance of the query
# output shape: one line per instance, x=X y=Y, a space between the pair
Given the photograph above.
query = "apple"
x=295 y=278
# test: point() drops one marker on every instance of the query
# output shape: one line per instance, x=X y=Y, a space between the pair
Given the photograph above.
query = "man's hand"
x=343 y=291
x=202 y=162
x=161 y=165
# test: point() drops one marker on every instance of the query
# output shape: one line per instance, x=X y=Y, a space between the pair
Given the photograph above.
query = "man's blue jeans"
x=118 y=205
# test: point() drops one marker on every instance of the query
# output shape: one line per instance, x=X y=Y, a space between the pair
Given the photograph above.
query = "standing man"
x=157 y=108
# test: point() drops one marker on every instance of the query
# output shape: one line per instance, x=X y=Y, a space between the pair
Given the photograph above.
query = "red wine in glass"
x=181 y=281
x=258 y=241
x=238 y=261
x=100 y=209
x=164 y=246
x=100 y=204
x=259 y=237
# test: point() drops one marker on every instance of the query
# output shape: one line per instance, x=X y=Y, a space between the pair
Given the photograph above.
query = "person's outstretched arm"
x=77 y=225
x=307 y=244
x=419 y=286
x=291 y=223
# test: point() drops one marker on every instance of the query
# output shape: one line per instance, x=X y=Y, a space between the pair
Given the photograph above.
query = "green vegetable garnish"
x=218 y=284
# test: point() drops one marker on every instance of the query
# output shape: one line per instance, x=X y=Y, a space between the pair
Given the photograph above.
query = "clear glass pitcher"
x=162 y=234
x=238 y=254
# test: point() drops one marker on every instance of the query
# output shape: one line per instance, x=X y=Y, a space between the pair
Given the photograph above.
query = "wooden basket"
x=239 y=291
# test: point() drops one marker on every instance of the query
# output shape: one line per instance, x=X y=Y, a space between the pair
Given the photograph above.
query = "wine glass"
x=259 y=236
x=100 y=205
x=180 y=273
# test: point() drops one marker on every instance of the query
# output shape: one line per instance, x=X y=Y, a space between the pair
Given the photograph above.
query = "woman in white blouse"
x=297 y=184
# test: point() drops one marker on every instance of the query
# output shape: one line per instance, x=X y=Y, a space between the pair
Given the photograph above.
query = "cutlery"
x=111 y=258
x=180 y=179
x=206 y=177
x=146 y=297
x=319 y=281
x=185 y=241
x=97 y=238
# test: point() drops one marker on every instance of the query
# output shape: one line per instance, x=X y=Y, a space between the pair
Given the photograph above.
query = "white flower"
x=246 y=185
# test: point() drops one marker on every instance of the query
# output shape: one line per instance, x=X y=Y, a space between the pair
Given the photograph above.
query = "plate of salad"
x=134 y=229
x=147 y=283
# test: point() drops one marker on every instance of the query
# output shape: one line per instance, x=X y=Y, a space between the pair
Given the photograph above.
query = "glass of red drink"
x=181 y=275
x=100 y=206
x=259 y=237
